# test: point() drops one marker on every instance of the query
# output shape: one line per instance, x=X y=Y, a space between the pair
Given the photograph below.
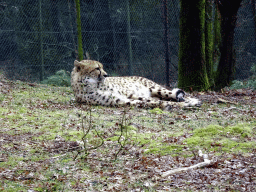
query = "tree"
x=79 y=31
x=216 y=40
x=209 y=40
x=192 y=64
x=228 y=15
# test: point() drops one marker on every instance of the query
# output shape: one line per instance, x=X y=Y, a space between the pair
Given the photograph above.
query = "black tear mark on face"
x=78 y=69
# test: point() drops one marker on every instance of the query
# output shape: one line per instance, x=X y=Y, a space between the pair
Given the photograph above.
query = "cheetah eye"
x=97 y=68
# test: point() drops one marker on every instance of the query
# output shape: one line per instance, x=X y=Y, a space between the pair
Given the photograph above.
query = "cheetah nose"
x=105 y=75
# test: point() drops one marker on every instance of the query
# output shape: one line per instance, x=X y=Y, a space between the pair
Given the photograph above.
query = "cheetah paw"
x=192 y=102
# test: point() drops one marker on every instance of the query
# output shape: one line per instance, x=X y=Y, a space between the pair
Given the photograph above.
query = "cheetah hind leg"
x=162 y=104
x=167 y=95
x=192 y=102
x=188 y=103
x=184 y=101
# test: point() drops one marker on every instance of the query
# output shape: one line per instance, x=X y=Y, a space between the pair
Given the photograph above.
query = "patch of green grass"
x=211 y=130
x=13 y=161
x=45 y=137
x=33 y=117
x=156 y=111
x=227 y=139
x=74 y=135
x=12 y=186
x=51 y=185
x=38 y=156
x=166 y=149
x=212 y=138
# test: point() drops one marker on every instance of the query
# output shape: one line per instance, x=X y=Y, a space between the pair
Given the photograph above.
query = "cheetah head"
x=90 y=70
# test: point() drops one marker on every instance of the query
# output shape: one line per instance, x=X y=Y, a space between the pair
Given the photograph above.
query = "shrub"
x=249 y=83
x=61 y=78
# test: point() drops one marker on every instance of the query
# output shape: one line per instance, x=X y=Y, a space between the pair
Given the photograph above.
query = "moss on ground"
x=39 y=124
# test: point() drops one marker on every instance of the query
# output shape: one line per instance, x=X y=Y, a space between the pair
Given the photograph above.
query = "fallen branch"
x=203 y=164
x=206 y=162
x=58 y=156
x=220 y=100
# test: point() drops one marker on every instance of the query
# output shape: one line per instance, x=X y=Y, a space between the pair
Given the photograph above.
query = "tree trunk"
x=226 y=69
x=192 y=66
x=79 y=31
x=217 y=40
x=209 y=40
x=166 y=42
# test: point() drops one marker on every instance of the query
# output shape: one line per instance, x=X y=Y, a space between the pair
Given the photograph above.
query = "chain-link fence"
x=38 y=37
x=245 y=40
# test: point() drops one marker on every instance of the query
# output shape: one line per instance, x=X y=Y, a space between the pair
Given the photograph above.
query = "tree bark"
x=228 y=10
x=166 y=42
x=192 y=66
x=209 y=40
x=217 y=40
x=79 y=31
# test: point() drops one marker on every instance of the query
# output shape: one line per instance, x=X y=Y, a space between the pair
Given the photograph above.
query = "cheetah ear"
x=77 y=63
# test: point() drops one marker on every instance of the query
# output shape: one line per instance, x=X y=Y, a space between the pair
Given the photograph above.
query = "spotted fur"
x=91 y=85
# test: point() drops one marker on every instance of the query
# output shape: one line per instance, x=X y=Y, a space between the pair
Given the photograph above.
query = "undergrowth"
x=249 y=83
x=61 y=78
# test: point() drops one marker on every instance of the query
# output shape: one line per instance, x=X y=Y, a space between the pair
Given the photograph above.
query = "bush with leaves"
x=61 y=78
x=250 y=83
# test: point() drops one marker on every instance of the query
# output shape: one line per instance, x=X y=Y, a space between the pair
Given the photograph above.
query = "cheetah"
x=91 y=85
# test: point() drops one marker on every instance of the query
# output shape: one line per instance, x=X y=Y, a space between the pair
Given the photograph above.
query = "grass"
x=42 y=130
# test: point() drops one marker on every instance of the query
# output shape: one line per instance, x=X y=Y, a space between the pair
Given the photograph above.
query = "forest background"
x=49 y=142
x=39 y=38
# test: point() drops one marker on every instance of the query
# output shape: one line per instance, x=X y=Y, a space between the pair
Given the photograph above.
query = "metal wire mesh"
x=245 y=40
x=38 y=37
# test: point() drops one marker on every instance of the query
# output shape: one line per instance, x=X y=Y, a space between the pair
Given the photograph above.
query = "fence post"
x=166 y=42
x=254 y=16
x=41 y=42
x=128 y=20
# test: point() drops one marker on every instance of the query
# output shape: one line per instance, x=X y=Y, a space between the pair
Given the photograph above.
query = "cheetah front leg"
x=112 y=99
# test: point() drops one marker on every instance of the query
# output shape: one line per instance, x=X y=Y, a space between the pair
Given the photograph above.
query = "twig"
x=220 y=100
x=58 y=156
x=123 y=127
